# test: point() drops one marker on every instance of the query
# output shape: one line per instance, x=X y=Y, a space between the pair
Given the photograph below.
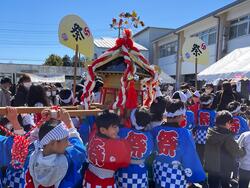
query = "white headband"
x=68 y=100
x=207 y=102
x=188 y=94
x=177 y=113
x=236 y=110
x=182 y=95
x=197 y=94
x=58 y=133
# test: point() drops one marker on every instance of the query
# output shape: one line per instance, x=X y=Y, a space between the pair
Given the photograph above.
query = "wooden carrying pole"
x=73 y=111
x=75 y=65
x=196 y=72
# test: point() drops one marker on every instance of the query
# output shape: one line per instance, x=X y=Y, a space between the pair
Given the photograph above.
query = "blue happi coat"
x=206 y=119
x=86 y=127
x=188 y=122
x=239 y=126
x=75 y=154
x=135 y=175
x=176 y=161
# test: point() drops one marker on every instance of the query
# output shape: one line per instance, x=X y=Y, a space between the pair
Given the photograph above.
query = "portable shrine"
x=128 y=78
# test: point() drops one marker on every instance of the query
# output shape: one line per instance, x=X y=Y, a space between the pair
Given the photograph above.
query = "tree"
x=66 y=61
x=54 y=60
x=80 y=61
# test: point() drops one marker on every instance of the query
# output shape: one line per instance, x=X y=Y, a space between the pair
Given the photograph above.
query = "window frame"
x=168 y=49
x=207 y=33
x=235 y=23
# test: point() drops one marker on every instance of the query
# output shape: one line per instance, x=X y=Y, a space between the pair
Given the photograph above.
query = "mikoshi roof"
x=107 y=42
x=234 y=65
x=115 y=57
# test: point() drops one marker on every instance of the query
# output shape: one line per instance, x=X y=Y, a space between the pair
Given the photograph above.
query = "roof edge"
x=148 y=27
x=214 y=13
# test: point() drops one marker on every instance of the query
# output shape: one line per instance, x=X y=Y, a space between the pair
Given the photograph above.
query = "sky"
x=29 y=28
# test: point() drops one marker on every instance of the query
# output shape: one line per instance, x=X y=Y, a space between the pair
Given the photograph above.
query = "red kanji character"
x=183 y=123
x=203 y=46
x=86 y=31
x=167 y=142
x=204 y=119
x=96 y=151
x=138 y=144
x=235 y=125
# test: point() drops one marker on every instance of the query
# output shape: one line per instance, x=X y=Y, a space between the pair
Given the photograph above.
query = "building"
x=15 y=70
x=223 y=30
x=104 y=43
x=147 y=35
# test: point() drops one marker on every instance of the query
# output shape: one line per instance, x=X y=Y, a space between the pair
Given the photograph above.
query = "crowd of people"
x=186 y=139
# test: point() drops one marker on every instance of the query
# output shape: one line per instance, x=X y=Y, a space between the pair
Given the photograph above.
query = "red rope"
x=20 y=147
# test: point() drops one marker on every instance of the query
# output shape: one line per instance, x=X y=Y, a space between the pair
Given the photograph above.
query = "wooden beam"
x=73 y=111
x=81 y=113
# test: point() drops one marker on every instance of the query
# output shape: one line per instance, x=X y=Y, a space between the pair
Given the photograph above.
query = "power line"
x=20 y=59
x=32 y=41
x=28 y=44
x=24 y=23
x=46 y=31
x=29 y=31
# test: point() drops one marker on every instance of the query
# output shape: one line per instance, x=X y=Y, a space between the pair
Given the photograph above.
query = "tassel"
x=131 y=101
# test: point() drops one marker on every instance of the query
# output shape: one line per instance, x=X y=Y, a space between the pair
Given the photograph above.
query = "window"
x=163 y=51
x=168 y=49
x=242 y=29
x=204 y=38
x=233 y=32
x=208 y=36
x=212 y=38
x=239 y=27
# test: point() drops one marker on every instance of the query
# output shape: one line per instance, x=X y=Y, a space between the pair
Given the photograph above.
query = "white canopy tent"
x=165 y=78
x=235 y=65
x=47 y=78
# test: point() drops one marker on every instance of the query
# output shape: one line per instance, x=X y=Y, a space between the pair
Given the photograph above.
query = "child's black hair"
x=6 y=80
x=24 y=78
x=184 y=86
x=47 y=127
x=233 y=106
x=223 y=117
x=209 y=85
x=174 y=105
x=227 y=86
x=142 y=117
x=176 y=96
x=58 y=85
x=79 y=87
x=107 y=119
x=243 y=108
x=37 y=95
x=205 y=98
x=157 y=108
x=65 y=94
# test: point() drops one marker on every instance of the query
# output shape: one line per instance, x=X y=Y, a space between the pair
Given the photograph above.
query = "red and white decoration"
x=125 y=47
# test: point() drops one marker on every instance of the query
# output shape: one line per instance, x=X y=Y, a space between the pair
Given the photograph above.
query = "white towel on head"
x=182 y=96
x=197 y=94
